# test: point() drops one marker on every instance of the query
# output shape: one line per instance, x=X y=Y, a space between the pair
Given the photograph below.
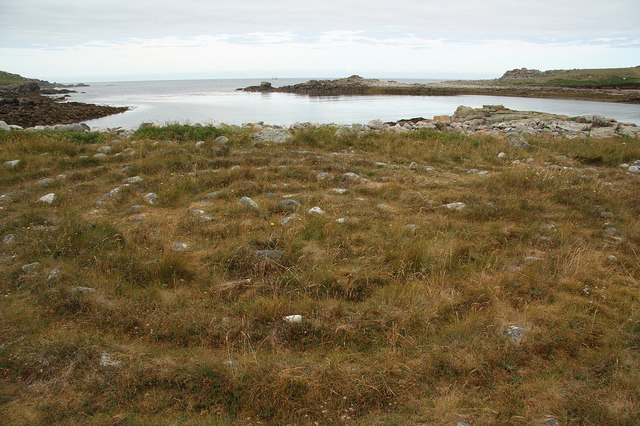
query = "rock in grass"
x=289 y=203
x=45 y=181
x=8 y=239
x=49 y=198
x=106 y=361
x=10 y=164
x=269 y=254
x=350 y=177
x=4 y=126
x=30 y=267
x=213 y=194
x=322 y=175
x=293 y=319
x=135 y=209
x=248 y=203
x=516 y=140
x=341 y=220
x=105 y=149
x=135 y=179
x=100 y=156
x=179 y=246
x=515 y=333
x=288 y=220
x=502 y=155
x=151 y=197
x=53 y=275
x=206 y=218
x=315 y=210
x=199 y=144
x=633 y=169
x=271 y=135
x=456 y=206
x=340 y=191
x=197 y=212
x=83 y=290
x=221 y=139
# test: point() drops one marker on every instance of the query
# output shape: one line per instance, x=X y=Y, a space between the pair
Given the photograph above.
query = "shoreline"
x=356 y=85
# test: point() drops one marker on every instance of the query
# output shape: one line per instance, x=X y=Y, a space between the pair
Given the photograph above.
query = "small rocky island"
x=27 y=103
x=618 y=85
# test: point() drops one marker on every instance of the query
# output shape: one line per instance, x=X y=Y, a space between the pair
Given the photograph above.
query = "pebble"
x=350 y=177
x=135 y=179
x=221 y=139
x=83 y=290
x=8 y=239
x=53 y=275
x=289 y=203
x=151 y=197
x=49 y=198
x=248 y=202
x=105 y=149
x=634 y=169
x=316 y=210
x=341 y=220
x=502 y=155
x=340 y=191
x=293 y=319
x=106 y=361
x=100 y=156
x=197 y=212
x=288 y=220
x=515 y=333
x=414 y=166
x=30 y=267
x=45 y=181
x=179 y=246
x=10 y=164
x=322 y=175
x=456 y=206
x=206 y=218
x=199 y=144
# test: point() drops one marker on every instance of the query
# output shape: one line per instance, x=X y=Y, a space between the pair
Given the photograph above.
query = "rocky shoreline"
x=25 y=105
x=494 y=120
x=356 y=85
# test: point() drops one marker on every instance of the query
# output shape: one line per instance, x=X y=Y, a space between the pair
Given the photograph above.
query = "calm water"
x=217 y=101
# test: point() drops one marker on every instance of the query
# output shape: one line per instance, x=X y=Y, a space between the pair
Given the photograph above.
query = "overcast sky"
x=107 y=40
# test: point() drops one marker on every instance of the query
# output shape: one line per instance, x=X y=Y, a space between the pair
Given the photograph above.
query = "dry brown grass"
x=401 y=324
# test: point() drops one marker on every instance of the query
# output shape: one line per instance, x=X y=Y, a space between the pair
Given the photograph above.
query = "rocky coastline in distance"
x=613 y=85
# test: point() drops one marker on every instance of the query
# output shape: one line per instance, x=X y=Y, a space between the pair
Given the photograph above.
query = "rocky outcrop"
x=24 y=105
x=520 y=74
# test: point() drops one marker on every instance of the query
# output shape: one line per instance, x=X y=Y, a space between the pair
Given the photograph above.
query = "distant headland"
x=611 y=85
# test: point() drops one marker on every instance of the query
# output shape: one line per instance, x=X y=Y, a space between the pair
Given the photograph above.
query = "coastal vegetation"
x=191 y=274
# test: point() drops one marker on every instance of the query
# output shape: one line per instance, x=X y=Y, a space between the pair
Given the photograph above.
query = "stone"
x=602 y=132
x=8 y=239
x=269 y=254
x=456 y=206
x=105 y=149
x=10 y=164
x=248 y=203
x=206 y=218
x=199 y=144
x=74 y=127
x=49 y=198
x=502 y=155
x=293 y=319
x=4 y=126
x=45 y=181
x=345 y=132
x=288 y=220
x=515 y=333
x=550 y=421
x=322 y=175
x=135 y=209
x=100 y=156
x=197 y=212
x=53 y=275
x=611 y=230
x=414 y=166
x=340 y=191
x=271 y=135
x=30 y=267
x=213 y=194
x=221 y=139
x=633 y=169
x=380 y=164
x=350 y=177
x=316 y=210
x=341 y=220
x=151 y=198
x=83 y=290
x=516 y=140
x=376 y=124
x=628 y=130
x=289 y=203
x=106 y=361
x=135 y=179
x=179 y=246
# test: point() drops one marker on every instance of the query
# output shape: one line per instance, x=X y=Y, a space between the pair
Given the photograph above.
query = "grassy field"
x=602 y=77
x=404 y=303
x=8 y=78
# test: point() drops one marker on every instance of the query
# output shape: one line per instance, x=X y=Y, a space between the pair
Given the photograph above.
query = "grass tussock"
x=175 y=311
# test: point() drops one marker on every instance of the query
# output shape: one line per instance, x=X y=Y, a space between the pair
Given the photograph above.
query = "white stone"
x=455 y=206
x=248 y=202
x=293 y=319
x=49 y=198
x=10 y=164
x=316 y=210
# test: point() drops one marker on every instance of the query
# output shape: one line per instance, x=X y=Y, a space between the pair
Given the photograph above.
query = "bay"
x=218 y=101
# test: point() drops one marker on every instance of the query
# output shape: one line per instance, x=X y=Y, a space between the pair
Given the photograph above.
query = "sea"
x=218 y=101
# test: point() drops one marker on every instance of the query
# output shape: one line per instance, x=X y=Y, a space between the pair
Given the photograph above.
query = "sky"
x=117 y=40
